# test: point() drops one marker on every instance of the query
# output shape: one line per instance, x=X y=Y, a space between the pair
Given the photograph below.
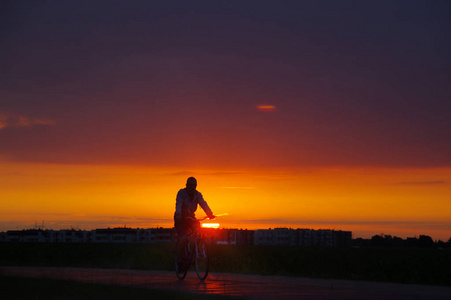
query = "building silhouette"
x=273 y=237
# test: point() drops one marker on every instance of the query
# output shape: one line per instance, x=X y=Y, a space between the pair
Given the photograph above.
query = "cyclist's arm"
x=205 y=206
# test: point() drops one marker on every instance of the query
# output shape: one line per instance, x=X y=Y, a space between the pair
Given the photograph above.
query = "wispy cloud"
x=183 y=173
x=14 y=120
x=432 y=182
x=237 y=187
x=226 y=173
x=195 y=173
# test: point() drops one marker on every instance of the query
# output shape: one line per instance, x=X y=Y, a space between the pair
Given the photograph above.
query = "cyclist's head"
x=191 y=184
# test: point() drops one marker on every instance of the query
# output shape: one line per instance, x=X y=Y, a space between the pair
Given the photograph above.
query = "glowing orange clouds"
x=266 y=108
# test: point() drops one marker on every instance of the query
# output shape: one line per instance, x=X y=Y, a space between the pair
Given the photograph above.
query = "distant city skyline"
x=361 y=233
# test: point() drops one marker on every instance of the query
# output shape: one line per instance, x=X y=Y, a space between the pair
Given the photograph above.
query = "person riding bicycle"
x=186 y=206
x=184 y=220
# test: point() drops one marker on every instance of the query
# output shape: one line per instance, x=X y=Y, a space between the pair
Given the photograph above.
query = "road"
x=245 y=286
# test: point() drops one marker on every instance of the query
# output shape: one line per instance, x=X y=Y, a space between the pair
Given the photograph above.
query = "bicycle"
x=193 y=246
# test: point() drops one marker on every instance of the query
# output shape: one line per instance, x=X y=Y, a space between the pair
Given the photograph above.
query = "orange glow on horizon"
x=365 y=200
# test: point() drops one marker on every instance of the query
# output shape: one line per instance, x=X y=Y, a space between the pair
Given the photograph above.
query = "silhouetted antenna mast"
x=41 y=226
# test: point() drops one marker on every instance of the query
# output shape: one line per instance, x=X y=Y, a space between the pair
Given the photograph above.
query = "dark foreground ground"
x=17 y=287
x=392 y=265
x=83 y=283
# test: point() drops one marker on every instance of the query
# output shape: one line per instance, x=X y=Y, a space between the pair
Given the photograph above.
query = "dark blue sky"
x=155 y=82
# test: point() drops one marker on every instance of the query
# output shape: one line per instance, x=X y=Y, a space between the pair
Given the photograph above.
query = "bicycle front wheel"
x=201 y=259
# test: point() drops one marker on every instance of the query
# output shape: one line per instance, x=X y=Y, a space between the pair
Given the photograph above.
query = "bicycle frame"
x=194 y=230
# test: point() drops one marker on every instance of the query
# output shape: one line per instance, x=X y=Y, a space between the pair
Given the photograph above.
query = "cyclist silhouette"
x=186 y=206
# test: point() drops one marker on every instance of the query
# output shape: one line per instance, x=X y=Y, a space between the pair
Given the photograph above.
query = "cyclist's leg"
x=182 y=239
x=181 y=267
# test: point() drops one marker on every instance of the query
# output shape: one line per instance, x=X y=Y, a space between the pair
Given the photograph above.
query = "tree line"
x=385 y=240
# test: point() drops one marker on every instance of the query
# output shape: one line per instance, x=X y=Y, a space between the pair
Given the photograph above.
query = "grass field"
x=402 y=265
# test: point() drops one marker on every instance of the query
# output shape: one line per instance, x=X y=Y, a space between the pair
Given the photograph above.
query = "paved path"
x=246 y=286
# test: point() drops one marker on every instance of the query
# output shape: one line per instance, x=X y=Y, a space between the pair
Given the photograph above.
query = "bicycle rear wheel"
x=201 y=259
x=182 y=258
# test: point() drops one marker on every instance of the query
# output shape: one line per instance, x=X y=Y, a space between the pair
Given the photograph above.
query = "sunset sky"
x=301 y=114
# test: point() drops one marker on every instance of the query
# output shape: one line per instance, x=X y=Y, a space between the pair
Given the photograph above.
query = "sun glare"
x=210 y=225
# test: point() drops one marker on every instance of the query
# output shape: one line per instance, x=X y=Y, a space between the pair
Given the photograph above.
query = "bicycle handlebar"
x=195 y=219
